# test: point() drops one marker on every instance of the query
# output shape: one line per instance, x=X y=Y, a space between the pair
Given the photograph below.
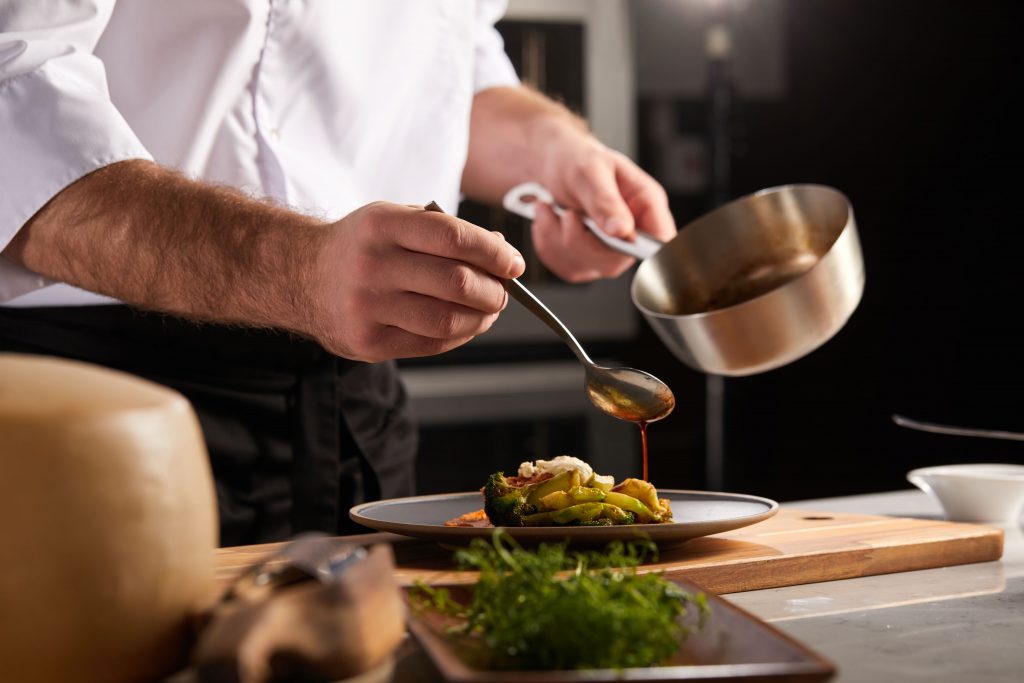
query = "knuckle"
x=377 y=209
x=448 y=324
x=606 y=204
x=373 y=215
x=454 y=237
x=460 y=281
x=500 y=301
x=582 y=170
x=498 y=253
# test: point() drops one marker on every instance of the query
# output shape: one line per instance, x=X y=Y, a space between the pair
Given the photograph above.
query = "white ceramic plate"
x=697 y=513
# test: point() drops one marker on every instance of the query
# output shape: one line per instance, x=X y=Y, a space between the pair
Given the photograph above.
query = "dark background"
x=907 y=107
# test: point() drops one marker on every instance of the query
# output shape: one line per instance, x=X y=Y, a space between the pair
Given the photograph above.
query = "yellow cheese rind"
x=107 y=523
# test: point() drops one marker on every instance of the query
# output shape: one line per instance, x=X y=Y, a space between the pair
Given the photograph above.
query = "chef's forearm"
x=152 y=238
x=509 y=130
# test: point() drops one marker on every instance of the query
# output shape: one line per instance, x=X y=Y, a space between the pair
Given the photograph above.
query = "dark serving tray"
x=734 y=645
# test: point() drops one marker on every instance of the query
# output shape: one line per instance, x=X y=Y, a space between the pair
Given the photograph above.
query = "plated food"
x=564 y=499
x=565 y=491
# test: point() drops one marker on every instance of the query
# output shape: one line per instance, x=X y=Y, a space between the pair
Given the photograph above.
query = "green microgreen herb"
x=550 y=608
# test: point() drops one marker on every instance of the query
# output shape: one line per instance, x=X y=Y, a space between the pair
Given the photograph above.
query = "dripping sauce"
x=643 y=441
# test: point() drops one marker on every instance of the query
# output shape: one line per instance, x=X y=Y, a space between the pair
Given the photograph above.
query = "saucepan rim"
x=753 y=301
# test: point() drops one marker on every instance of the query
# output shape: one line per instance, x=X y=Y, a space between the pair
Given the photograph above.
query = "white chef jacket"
x=323 y=105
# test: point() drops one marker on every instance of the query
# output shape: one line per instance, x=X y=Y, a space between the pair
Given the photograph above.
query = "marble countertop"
x=963 y=624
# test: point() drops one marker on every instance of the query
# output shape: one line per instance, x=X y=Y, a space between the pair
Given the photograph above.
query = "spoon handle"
x=956 y=431
x=520 y=293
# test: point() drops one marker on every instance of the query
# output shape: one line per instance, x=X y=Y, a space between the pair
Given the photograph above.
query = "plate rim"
x=664 y=531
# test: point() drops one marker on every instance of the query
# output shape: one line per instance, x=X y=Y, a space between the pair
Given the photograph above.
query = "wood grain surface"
x=794 y=547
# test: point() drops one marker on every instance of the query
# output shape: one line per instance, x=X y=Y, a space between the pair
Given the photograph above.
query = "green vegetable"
x=556 y=501
x=561 y=500
x=506 y=505
x=554 y=609
x=642 y=512
x=575 y=495
x=582 y=513
x=562 y=481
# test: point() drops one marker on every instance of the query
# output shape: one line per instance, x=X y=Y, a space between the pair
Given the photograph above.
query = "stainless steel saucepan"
x=750 y=286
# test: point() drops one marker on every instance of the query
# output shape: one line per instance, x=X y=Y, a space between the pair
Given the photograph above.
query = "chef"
x=225 y=196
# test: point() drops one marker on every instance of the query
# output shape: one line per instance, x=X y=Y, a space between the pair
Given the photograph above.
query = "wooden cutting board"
x=794 y=547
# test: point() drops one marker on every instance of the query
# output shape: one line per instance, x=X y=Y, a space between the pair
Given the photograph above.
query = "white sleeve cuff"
x=57 y=124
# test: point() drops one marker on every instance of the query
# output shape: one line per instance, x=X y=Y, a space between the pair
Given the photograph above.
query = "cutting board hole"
x=817 y=517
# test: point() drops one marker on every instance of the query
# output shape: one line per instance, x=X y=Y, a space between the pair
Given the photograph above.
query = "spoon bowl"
x=626 y=393
x=629 y=394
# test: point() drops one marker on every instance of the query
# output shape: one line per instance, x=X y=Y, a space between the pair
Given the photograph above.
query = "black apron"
x=296 y=435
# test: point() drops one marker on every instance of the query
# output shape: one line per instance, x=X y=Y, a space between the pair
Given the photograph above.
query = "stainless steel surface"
x=625 y=393
x=756 y=283
x=956 y=431
x=750 y=286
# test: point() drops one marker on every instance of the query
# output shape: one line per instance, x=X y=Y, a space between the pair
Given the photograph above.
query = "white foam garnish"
x=555 y=466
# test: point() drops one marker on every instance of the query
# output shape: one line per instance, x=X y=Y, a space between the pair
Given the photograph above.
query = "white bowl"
x=990 y=493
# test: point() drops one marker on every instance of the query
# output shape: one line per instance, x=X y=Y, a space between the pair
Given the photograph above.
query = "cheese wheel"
x=107 y=523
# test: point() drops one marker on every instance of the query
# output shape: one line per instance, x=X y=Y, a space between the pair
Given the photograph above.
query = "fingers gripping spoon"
x=626 y=393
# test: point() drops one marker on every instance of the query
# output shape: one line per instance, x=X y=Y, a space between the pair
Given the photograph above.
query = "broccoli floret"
x=504 y=504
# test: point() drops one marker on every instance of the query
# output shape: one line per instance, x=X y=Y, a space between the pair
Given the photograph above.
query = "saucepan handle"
x=522 y=199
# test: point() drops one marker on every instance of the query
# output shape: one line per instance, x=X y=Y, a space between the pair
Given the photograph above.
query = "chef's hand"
x=399 y=281
x=603 y=184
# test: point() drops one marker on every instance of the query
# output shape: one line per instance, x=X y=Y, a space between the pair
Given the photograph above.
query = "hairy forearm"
x=154 y=239
x=509 y=131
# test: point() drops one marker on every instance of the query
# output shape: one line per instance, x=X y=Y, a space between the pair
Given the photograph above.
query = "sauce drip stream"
x=643 y=440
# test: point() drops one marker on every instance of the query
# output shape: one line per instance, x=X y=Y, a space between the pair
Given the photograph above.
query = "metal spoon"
x=625 y=393
x=956 y=431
